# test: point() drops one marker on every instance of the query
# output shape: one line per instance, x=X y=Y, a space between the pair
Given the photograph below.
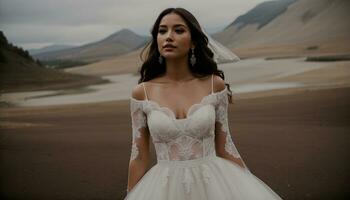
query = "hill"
x=290 y=28
x=128 y=63
x=121 y=42
x=55 y=47
x=20 y=72
x=262 y=14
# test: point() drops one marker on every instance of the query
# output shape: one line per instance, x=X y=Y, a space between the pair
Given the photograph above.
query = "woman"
x=181 y=103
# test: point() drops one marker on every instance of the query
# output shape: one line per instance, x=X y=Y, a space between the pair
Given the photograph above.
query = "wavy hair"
x=205 y=64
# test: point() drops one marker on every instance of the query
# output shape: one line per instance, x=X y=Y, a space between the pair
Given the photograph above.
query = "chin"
x=172 y=56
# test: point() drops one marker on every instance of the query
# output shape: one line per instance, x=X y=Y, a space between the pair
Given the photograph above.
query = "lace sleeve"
x=225 y=147
x=139 y=128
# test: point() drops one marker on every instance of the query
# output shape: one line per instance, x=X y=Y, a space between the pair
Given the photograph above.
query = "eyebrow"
x=176 y=25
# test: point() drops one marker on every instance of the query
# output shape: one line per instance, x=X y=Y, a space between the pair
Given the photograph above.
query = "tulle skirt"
x=209 y=178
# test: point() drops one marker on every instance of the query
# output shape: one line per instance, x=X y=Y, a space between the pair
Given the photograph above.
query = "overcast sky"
x=37 y=23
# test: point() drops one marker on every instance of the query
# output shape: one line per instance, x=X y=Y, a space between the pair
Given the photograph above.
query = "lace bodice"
x=182 y=139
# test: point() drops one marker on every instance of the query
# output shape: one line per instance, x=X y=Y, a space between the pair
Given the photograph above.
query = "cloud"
x=80 y=21
x=58 y=33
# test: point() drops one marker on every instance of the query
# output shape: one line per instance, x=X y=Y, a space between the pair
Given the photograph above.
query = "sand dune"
x=128 y=63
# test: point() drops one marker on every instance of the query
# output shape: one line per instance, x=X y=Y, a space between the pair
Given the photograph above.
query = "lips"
x=168 y=46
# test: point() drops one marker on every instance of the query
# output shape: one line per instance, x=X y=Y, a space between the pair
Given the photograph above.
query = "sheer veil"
x=221 y=53
x=224 y=55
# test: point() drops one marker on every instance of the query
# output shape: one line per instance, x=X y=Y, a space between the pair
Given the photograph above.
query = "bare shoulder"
x=219 y=83
x=138 y=92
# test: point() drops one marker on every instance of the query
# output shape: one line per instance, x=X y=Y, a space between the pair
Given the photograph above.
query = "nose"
x=169 y=36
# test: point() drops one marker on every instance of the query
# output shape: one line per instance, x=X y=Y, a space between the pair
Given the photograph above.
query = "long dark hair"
x=205 y=64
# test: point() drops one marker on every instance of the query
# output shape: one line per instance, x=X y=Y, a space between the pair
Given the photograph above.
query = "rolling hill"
x=121 y=42
x=55 y=47
x=288 y=27
x=20 y=72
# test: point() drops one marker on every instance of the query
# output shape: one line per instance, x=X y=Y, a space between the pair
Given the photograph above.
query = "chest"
x=163 y=126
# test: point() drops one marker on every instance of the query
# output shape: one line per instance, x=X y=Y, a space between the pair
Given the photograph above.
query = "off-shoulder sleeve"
x=222 y=129
x=139 y=127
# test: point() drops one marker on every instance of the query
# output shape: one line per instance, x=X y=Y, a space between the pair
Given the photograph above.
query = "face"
x=174 y=37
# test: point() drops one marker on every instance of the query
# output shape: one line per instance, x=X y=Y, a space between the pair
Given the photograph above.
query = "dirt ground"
x=297 y=143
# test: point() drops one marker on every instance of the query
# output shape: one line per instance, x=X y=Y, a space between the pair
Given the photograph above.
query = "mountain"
x=20 y=72
x=55 y=47
x=262 y=14
x=121 y=42
x=287 y=27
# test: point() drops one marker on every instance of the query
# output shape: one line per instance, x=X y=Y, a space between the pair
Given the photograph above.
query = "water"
x=245 y=76
x=245 y=88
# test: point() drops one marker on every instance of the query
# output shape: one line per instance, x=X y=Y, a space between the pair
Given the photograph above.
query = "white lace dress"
x=187 y=165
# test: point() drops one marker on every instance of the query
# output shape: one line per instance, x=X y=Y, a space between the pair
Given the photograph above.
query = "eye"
x=179 y=30
x=161 y=31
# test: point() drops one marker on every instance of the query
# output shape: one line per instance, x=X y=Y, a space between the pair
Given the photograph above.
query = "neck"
x=178 y=69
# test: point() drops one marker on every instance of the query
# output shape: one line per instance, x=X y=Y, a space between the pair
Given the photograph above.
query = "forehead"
x=172 y=19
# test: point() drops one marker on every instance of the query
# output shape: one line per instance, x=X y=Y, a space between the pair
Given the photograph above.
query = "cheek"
x=186 y=41
x=159 y=41
x=159 y=38
x=186 y=45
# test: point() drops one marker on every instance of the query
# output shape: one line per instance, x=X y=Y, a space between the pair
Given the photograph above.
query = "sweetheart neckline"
x=188 y=114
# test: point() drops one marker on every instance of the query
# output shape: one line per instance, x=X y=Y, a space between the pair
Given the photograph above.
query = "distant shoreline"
x=248 y=79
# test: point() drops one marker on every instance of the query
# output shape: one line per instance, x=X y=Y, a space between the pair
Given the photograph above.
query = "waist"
x=187 y=163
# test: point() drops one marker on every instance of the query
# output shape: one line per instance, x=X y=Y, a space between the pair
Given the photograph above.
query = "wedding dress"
x=187 y=165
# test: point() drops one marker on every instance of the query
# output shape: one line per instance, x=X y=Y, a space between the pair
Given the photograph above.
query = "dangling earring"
x=193 y=58
x=160 y=59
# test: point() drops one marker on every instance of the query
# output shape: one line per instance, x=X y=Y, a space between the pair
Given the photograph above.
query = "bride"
x=180 y=105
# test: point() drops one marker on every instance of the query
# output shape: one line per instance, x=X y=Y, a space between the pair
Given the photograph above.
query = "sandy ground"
x=296 y=143
x=296 y=139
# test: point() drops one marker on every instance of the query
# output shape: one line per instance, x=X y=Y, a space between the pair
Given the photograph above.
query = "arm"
x=140 y=155
x=224 y=145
